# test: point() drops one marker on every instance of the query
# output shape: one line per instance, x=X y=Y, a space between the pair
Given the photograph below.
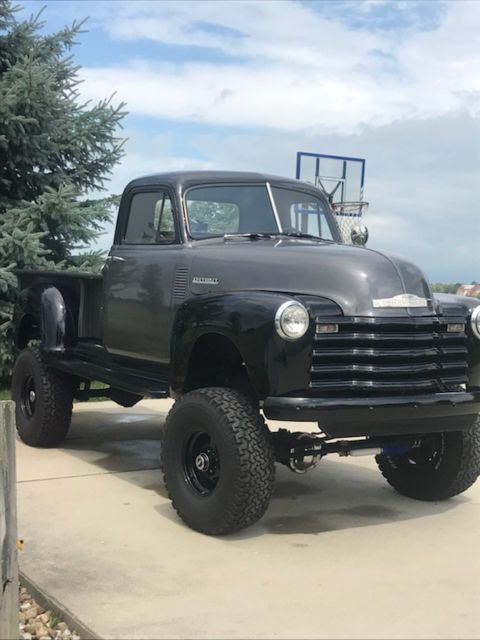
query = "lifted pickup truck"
x=234 y=294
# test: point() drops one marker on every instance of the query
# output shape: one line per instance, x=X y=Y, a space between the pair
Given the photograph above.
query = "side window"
x=150 y=219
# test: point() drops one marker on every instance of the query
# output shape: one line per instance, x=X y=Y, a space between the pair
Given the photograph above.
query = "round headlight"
x=475 y=322
x=291 y=320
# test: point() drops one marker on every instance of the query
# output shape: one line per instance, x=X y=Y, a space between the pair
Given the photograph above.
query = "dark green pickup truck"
x=234 y=294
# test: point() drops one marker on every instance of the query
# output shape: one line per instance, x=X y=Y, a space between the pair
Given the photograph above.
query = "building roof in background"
x=471 y=290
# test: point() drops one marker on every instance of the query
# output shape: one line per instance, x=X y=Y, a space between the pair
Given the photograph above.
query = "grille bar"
x=412 y=324
x=400 y=386
x=387 y=369
x=400 y=355
x=424 y=337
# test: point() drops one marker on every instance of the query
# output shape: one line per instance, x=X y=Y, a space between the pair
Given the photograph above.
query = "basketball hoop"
x=342 y=179
x=348 y=215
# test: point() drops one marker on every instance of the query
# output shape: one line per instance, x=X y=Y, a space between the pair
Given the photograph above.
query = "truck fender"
x=51 y=310
x=463 y=306
x=247 y=319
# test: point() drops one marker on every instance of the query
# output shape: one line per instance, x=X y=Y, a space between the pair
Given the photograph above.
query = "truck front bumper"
x=374 y=416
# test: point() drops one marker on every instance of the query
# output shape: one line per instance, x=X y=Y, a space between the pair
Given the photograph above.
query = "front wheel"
x=43 y=400
x=218 y=461
x=437 y=467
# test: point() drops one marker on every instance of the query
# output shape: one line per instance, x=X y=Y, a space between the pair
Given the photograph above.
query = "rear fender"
x=54 y=311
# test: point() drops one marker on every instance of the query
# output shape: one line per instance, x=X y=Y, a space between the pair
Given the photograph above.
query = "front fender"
x=451 y=303
x=275 y=366
x=52 y=310
x=463 y=305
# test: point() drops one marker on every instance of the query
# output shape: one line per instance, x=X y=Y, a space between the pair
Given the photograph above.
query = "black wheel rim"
x=28 y=398
x=201 y=463
x=426 y=453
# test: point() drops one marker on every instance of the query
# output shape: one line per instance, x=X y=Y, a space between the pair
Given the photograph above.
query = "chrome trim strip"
x=274 y=206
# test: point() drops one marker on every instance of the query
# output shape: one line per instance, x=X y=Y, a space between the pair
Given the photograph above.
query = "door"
x=138 y=279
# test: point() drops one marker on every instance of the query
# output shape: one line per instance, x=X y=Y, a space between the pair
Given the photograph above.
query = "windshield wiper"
x=250 y=236
x=259 y=236
x=299 y=234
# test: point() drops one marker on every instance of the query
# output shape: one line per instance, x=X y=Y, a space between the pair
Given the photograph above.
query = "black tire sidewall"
x=246 y=457
x=432 y=483
x=54 y=391
x=189 y=419
x=28 y=427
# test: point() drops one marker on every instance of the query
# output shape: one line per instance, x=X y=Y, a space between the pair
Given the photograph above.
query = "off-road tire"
x=246 y=460
x=49 y=422
x=455 y=470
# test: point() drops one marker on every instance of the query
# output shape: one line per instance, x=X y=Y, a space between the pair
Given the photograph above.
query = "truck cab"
x=235 y=294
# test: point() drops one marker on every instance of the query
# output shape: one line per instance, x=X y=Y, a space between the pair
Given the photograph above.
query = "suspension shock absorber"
x=301 y=451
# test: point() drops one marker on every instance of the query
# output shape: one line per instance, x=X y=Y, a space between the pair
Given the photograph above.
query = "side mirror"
x=359 y=235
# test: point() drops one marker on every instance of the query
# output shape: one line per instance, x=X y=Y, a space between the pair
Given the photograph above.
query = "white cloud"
x=421 y=182
x=407 y=100
x=148 y=154
x=298 y=70
x=144 y=155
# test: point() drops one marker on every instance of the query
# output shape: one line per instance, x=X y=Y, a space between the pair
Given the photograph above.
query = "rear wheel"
x=437 y=467
x=43 y=400
x=218 y=461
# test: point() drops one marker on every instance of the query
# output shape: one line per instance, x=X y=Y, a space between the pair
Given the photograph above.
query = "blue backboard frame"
x=345 y=160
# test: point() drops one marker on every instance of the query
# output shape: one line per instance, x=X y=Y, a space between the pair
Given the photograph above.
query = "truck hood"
x=352 y=277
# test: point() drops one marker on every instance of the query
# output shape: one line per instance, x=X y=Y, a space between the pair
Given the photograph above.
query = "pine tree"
x=55 y=154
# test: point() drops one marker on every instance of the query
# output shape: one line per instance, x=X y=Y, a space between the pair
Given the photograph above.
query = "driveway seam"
x=87 y=475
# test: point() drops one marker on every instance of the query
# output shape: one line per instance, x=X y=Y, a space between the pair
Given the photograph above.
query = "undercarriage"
x=301 y=451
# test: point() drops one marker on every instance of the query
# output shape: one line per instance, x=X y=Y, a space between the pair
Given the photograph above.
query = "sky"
x=244 y=85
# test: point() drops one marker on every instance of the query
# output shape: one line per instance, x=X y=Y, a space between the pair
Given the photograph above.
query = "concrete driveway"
x=339 y=554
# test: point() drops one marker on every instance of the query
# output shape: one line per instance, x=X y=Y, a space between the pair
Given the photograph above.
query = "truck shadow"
x=338 y=495
x=117 y=441
x=342 y=495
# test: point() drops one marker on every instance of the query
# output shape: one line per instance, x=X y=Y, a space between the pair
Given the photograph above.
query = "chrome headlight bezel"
x=475 y=321
x=281 y=318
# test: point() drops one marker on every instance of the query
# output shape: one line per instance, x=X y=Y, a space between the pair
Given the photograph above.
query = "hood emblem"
x=402 y=301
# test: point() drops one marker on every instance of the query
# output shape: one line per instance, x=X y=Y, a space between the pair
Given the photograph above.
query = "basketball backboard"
x=342 y=178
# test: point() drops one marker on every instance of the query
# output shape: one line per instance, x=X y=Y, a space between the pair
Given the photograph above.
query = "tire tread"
x=256 y=470
x=460 y=477
x=57 y=393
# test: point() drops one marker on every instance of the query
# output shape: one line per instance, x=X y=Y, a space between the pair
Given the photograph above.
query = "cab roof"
x=183 y=179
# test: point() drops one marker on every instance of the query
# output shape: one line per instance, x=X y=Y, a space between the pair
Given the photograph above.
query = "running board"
x=119 y=378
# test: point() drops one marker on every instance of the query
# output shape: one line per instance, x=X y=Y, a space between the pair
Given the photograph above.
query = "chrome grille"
x=388 y=356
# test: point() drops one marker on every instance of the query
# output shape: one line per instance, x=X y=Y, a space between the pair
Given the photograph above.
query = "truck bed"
x=86 y=287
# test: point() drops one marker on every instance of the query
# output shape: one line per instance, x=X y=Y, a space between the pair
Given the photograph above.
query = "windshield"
x=230 y=209
x=247 y=209
x=302 y=213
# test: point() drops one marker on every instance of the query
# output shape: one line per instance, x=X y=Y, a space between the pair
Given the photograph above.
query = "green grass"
x=53 y=620
x=4 y=394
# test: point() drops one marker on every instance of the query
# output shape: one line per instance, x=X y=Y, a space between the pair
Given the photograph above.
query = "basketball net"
x=348 y=215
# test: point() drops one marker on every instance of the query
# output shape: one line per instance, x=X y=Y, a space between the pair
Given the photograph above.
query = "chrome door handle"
x=115 y=259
